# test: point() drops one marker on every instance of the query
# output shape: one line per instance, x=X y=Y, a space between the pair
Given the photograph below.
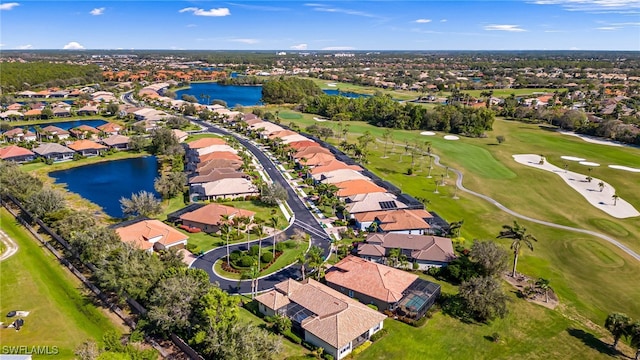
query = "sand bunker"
x=319 y=119
x=600 y=198
x=588 y=163
x=591 y=139
x=332 y=84
x=625 y=168
x=572 y=158
x=451 y=137
x=428 y=133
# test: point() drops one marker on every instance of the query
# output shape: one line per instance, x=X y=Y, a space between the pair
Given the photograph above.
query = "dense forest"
x=242 y=80
x=33 y=75
x=288 y=90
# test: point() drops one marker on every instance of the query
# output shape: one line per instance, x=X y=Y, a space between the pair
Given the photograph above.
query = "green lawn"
x=195 y=137
x=591 y=277
x=287 y=258
x=61 y=314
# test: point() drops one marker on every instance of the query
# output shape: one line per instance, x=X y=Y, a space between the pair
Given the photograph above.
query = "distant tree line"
x=23 y=76
x=242 y=80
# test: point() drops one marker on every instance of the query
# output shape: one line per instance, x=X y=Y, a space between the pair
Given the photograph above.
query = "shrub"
x=235 y=255
x=282 y=324
x=500 y=139
x=420 y=322
x=267 y=257
x=191 y=247
x=293 y=337
x=409 y=171
x=327 y=356
x=416 y=266
x=289 y=244
x=495 y=337
x=373 y=307
x=254 y=250
x=246 y=261
x=280 y=246
x=136 y=336
x=377 y=336
x=361 y=348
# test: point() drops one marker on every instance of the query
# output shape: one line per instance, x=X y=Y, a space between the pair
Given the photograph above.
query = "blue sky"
x=322 y=25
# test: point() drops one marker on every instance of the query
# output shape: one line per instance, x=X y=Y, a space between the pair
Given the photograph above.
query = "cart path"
x=607 y=238
x=11 y=246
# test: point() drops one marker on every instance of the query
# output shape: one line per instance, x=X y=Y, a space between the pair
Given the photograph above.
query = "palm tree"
x=247 y=224
x=633 y=332
x=302 y=260
x=617 y=324
x=394 y=256
x=315 y=259
x=601 y=185
x=589 y=178
x=385 y=136
x=543 y=284
x=252 y=274
x=615 y=199
x=225 y=230
x=519 y=236
x=260 y=232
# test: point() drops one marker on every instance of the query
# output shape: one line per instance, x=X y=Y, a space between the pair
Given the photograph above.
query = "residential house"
x=425 y=250
x=118 y=142
x=151 y=235
x=19 y=134
x=33 y=114
x=282 y=134
x=402 y=221
x=54 y=151
x=16 y=154
x=385 y=287
x=308 y=152
x=145 y=125
x=370 y=202
x=337 y=176
x=299 y=145
x=293 y=138
x=180 y=135
x=216 y=174
x=355 y=187
x=317 y=159
x=209 y=217
x=150 y=114
x=87 y=147
x=88 y=110
x=61 y=112
x=323 y=316
x=229 y=188
x=205 y=167
x=15 y=107
x=110 y=128
x=84 y=132
x=333 y=165
x=11 y=115
x=52 y=132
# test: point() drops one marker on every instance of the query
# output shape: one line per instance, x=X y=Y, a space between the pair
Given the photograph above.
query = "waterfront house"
x=110 y=128
x=16 y=154
x=228 y=188
x=84 y=132
x=118 y=142
x=88 y=110
x=11 y=115
x=52 y=132
x=19 y=134
x=54 y=151
x=402 y=221
x=323 y=316
x=87 y=147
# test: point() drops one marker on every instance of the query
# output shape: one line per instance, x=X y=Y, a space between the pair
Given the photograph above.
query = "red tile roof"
x=144 y=232
x=206 y=142
x=14 y=151
x=85 y=145
x=353 y=187
x=211 y=214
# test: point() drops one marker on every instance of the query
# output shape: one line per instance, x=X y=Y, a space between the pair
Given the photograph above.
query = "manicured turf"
x=32 y=280
x=590 y=281
x=288 y=257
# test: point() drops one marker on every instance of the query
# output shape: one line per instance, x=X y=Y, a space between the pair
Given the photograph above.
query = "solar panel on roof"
x=388 y=205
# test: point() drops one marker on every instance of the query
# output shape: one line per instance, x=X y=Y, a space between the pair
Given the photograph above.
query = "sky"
x=322 y=25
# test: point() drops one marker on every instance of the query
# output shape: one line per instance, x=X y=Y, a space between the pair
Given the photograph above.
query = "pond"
x=106 y=182
x=66 y=125
x=347 y=94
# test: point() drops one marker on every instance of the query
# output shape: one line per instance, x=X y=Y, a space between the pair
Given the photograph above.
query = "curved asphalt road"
x=613 y=241
x=304 y=221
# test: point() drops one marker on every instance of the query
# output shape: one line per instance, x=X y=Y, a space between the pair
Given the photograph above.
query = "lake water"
x=66 y=125
x=231 y=94
x=243 y=95
x=106 y=182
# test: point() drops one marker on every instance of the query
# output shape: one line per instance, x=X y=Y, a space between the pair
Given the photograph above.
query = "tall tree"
x=633 y=332
x=315 y=260
x=45 y=201
x=519 y=235
x=617 y=324
x=170 y=184
x=484 y=298
x=492 y=258
x=142 y=203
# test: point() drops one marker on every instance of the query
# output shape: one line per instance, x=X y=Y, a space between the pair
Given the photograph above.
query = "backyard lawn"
x=60 y=313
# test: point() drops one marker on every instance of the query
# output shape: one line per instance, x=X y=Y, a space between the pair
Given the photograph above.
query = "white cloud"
x=73 y=45
x=24 y=47
x=8 y=6
x=509 y=28
x=607 y=28
x=599 y=6
x=210 y=12
x=423 y=21
x=326 y=8
x=338 y=48
x=97 y=11
x=245 y=41
x=443 y=20
x=299 y=47
x=1 y=45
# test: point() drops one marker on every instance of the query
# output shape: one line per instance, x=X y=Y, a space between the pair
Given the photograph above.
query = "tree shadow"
x=591 y=341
